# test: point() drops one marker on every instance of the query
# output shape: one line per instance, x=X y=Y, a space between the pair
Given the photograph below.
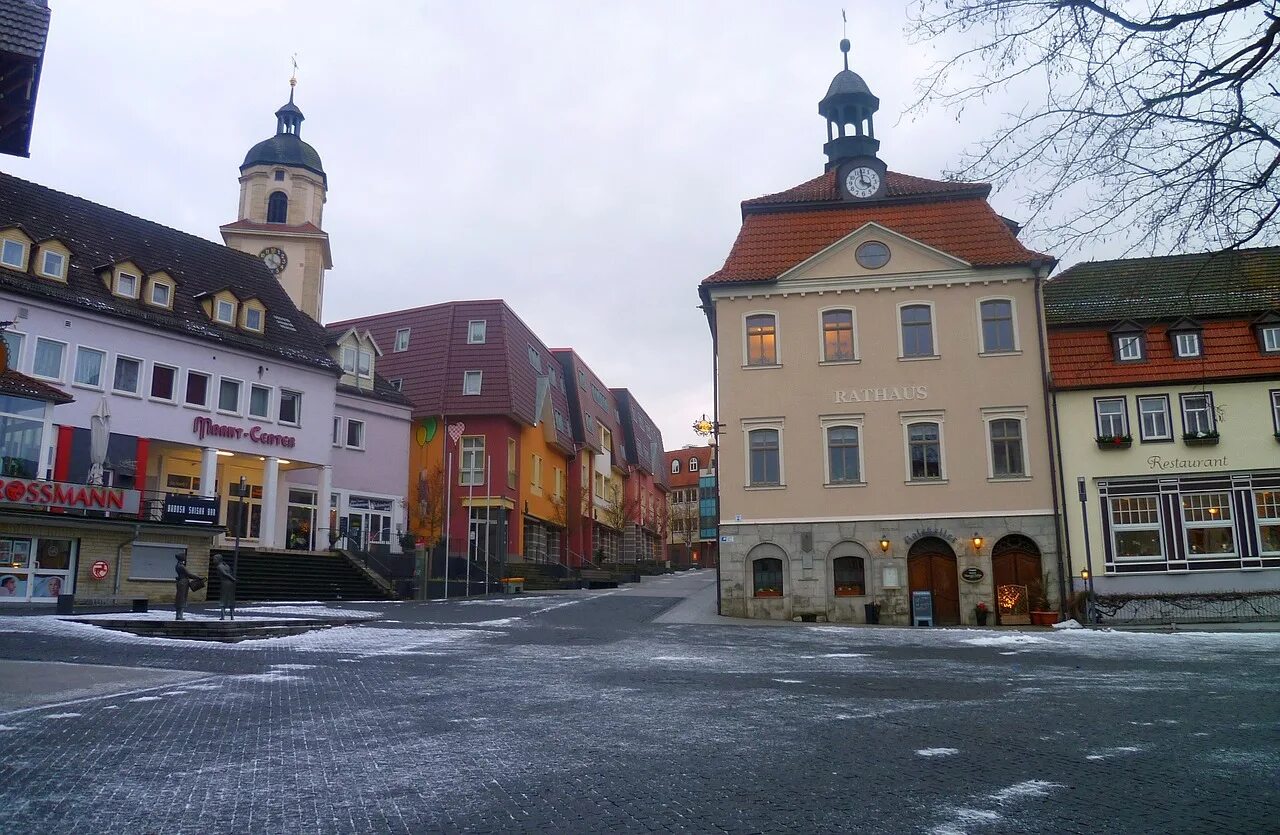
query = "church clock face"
x=274 y=258
x=862 y=182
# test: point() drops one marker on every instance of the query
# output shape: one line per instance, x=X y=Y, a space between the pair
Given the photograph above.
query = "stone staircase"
x=293 y=575
x=542 y=576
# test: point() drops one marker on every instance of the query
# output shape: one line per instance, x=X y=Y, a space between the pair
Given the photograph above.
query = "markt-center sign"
x=30 y=493
x=204 y=427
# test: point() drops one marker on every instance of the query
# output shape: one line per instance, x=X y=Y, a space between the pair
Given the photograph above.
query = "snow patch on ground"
x=843 y=655
x=1113 y=752
x=1071 y=623
x=788 y=681
x=521 y=601
x=267 y=676
x=963 y=818
x=1014 y=639
x=146 y=699
x=8 y=728
x=937 y=752
x=293 y=666
x=1025 y=789
x=499 y=622
x=63 y=716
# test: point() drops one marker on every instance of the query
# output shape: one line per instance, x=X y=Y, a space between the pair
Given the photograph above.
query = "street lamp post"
x=711 y=429
x=242 y=488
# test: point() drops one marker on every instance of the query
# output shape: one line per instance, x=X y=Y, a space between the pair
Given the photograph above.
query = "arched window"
x=850 y=576
x=675 y=466
x=767 y=576
x=693 y=465
x=277 y=207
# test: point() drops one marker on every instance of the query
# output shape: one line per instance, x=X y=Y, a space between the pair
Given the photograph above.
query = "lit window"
x=13 y=254
x=471 y=466
x=843 y=455
x=260 y=402
x=127 y=285
x=917 y=330
x=476 y=331
x=924 y=447
x=53 y=265
x=1207 y=520
x=1129 y=348
x=997 y=326
x=762 y=334
x=1135 y=528
x=1187 y=344
x=1112 y=416
x=766 y=458
x=355 y=434
x=1007 y=458
x=224 y=311
x=89 y=364
x=253 y=318
x=48 y=360
x=766 y=577
x=161 y=293
x=1198 y=418
x=837 y=335
x=128 y=377
x=229 y=395
x=1153 y=418
x=197 y=393
x=402 y=340
x=850 y=576
x=471 y=382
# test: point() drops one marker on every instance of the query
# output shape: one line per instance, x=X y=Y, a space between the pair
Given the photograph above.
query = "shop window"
x=997 y=326
x=766 y=574
x=1267 y=503
x=762 y=339
x=850 y=576
x=355 y=434
x=89 y=363
x=290 y=407
x=476 y=331
x=471 y=381
x=1153 y=418
x=163 y=378
x=260 y=401
x=278 y=207
x=844 y=456
x=1135 y=529
x=924 y=449
x=13 y=254
x=837 y=336
x=916 y=333
x=402 y=340
x=471 y=465
x=229 y=395
x=128 y=376
x=1112 y=416
x=48 y=359
x=22 y=428
x=766 y=457
x=197 y=393
x=1206 y=518
x=1008 y=458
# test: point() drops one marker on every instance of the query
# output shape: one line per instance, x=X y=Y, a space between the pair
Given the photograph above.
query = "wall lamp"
x=977 y=542
x=884 y=542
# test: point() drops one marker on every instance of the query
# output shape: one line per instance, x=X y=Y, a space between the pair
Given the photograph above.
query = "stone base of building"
x=837 y=570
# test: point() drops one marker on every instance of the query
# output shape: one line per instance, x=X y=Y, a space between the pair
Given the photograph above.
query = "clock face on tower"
x=862 y=181
x=274 y=258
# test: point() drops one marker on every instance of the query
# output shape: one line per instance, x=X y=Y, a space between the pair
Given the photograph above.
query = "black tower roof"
x=286 y=147
x=849 y=102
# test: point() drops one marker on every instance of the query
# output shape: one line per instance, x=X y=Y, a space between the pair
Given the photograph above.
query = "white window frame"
x=989 y=416
x=1209 y=408
x=1261 y=521
x=396 y=383
x=280 y=403
x=177 y=378
x=777 y=340
x=121 y=275
x=471 y=476
x=853 y=336
x=749 y=425
x=208 y=388
x=477 y=331
x=15 y=357
x=217 y=311
x=102 y=368
x=43 y=267
x=402 y=340
x=1124 y=416
x=248 y=406
x=251 y=310
x=1270 y=337
x=933 y=331
x=168 y=288
x=983 y=350
x=349 y=359
x=467 y=377
x=1225 y=521
x=675 y=466
x=346 y=436
x=62 y=360
x=142 y=374
x=239 y=409
x=1118 y=528
x=826 y=424
x=1127 y=341
x=1275 y=410
x=693 y=464
x=908 y=419
x=1163 y=399
x=338 y=430
x=22 y=248
x=1190 y=349
x=364 y=364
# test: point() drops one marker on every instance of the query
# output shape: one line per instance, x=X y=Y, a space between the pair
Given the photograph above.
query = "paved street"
x=634 y=710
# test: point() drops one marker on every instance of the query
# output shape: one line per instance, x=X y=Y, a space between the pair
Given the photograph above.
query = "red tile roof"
x=1083 y=358
x=12 y=382
x=308 y=228
x=685 y=478
x=825 y=188
x=966 y=227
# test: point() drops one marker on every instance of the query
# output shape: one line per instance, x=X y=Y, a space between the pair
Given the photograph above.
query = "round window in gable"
x=872 y=255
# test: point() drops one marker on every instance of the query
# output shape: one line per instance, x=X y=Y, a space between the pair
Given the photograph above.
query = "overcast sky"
x=582 y=160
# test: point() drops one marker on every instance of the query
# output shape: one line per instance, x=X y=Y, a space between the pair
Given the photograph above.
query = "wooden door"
x=936 y=572
x=1018 y=568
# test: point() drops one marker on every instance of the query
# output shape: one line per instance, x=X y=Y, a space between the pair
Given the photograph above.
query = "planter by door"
x=1015 y=561
x=931 y=566
x=1044 y=618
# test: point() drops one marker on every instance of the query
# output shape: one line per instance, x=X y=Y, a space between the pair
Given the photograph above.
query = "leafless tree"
x=1154 y=122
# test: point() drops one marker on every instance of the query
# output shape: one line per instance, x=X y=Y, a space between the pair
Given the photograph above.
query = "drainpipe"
x=115 y=590
x=1055 y=448
x=709 y=309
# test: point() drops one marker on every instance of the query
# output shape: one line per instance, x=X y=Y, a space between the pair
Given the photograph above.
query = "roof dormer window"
x=53 y=265
x=224 y=311
x=253 y=319
x=1129 y=342
x=1186 y=338
x=13 y=254
x=1267 y=329
x=126 y=285
x=161 y=294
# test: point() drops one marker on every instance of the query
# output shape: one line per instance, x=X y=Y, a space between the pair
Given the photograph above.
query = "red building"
x=646 y=487
x=691 y=540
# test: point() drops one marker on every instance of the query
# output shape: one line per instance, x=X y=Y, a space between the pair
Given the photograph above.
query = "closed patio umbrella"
x=99 y=435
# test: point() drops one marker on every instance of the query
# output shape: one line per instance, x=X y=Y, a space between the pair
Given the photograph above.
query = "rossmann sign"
x=45 y=494
x=204 y=428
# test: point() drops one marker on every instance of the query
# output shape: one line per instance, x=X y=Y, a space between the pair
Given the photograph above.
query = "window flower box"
x=1114 y=441
x=1200 y=438
x=849 y=591
x=768 y=592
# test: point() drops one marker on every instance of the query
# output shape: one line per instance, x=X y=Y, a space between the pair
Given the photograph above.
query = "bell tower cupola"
x=849 y=108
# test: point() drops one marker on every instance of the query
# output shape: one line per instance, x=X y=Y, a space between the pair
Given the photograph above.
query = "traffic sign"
x=99 y=569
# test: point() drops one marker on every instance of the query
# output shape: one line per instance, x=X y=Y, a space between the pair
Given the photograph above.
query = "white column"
x=270 y=489
x=324 y=508
x=208 y=472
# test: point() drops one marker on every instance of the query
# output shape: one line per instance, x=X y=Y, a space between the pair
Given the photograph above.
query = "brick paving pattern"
x=580 y=713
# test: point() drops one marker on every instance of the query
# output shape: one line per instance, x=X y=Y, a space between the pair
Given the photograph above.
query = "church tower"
x=282 y=196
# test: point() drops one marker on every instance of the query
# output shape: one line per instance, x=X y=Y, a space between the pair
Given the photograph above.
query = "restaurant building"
x=882 y=420
x=1166 y=387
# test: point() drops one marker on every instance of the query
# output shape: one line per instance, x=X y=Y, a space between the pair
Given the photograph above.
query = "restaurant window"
x=1008 y=459
x=163 y=381
x=89 y=362
x=924 y=446
x=128 y=376
x=355 y=434
x=766 y=455
x=1267 y=503
x=48 y=360
x=1206 y=518
x=1135 y=528
x=1153 y=418
x=762 y=334
x=850 y=576
x=1198 y=419
x=837 y=336
x=290 y=407
x=1112 y=417
x=471 y=465
x=916 y=322
x=21 y=436
x=843 y=455
x=766 y=576
x=997 y=326
x=197 y=393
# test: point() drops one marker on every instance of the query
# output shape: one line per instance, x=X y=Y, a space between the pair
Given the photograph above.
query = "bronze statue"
x=226 y=588
x=185 y=581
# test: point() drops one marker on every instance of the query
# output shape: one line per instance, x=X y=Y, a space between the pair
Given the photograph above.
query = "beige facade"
x=930 y=390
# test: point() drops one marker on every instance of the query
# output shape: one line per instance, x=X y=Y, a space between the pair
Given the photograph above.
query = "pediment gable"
x=906 y=256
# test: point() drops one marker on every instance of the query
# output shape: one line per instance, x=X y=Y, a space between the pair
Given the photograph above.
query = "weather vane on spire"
x=293 y=79
x=844 y=41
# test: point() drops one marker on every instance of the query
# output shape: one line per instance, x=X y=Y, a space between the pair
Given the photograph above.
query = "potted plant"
x=1114 y=441
x=1041 y=614
x=408 y=541
x=1200 y=438
x=980 y=612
